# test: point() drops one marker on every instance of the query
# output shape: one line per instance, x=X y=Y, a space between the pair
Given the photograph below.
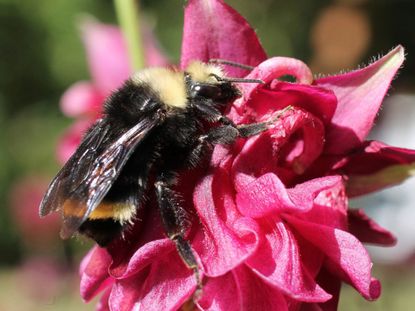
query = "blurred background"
x=42 y=54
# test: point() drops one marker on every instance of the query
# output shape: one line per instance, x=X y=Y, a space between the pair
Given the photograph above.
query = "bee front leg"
x=173 y=219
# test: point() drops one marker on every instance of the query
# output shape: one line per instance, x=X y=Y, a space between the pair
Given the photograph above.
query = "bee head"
x=208 y=81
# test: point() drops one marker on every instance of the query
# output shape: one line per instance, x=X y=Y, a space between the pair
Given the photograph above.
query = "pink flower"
x=109 y=67
x=273 y=230
x=25 y=197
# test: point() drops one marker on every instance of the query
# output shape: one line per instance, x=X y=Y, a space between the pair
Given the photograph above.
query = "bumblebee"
x=160 y=122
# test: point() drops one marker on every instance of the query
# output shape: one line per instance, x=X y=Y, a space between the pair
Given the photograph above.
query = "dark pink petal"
x=347 y=256
x=332 y=285
x=359 y=94
x=375 y=166
x=107 y=55
x=212 y=29
x=373 y=156
x=71 y=139
x=228 y=238
x=141 y=245
x=144 y=255
x=94 y=273
x=318 y=101
x=81 y=99
x=268 y=195
x=165 y=285
x=367 y=230
x=277 y=261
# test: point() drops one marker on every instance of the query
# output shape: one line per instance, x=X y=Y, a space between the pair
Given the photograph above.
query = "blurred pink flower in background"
x=25 y=197
x=42 y=278
x=275 y=232
x=109 y=66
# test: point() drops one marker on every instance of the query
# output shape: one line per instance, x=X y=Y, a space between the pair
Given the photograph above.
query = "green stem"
x=128 y=18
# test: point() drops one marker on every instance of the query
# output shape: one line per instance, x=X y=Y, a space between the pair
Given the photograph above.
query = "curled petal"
x=94 y=273
x=272 y=69
x=208 y=25
x=347 y=257
x=277 y=261
x=291 y=144
x=359 y=94
x=367 y=230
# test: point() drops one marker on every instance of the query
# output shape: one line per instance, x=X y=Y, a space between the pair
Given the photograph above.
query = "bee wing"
x=78 y=163
x=97 y=181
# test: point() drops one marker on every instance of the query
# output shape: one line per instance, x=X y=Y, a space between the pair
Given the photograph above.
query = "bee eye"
x=207 y=91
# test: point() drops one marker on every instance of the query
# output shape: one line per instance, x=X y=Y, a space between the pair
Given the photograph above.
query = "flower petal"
x=107 y=55
x=330 y=206
x=220 y=293
x=332 y=285
x=267 y=195
x=141 y=245
x=359 y=94
x=288 y=148
x=347 y=256
x=375 y=166
x=277 y=261
x=256 y=294
x=94 y=273
x=367 y=230
x=273 y=69
x=102 y=304
x=228 y=238
x=165 y=285
x=318 y=101
x=144 y=255
x=208 y=27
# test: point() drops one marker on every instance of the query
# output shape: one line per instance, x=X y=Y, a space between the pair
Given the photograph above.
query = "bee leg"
x=228 y=131
x=173 y=219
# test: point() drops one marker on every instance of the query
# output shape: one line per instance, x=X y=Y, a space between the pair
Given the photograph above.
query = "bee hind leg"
x=173 y=219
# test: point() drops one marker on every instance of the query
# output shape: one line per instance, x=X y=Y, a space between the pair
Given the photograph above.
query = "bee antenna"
x=230 y=63
x=242 y=80
x=237 y=80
